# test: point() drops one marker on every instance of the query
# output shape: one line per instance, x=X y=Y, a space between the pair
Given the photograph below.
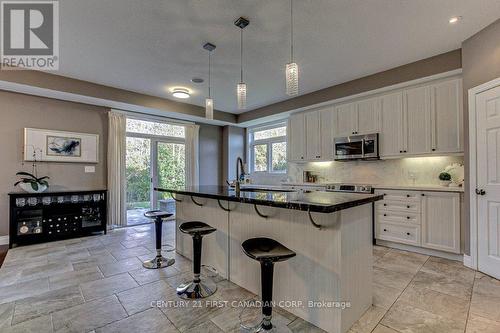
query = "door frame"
x=471 y=260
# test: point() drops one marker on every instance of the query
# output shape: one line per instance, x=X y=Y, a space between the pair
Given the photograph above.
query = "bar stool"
x=267 y=251
x=159 y=261
x=198 y=287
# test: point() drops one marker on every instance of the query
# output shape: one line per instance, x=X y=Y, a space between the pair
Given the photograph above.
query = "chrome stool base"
x=158 y=262
x=196 y=290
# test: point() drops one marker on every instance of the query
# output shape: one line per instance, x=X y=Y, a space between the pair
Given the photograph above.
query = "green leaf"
x=22 y=173
x=34 y=186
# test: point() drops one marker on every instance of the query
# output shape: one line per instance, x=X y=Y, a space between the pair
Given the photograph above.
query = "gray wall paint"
x=18 y=111
x=480 y=63
x=233 y=147
x=210 y=155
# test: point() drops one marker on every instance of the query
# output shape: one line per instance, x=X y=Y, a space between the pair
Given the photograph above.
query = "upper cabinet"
x=313 y=136
x=417 y=121
x=417 y=112
x=296 y=138
x=393 y=127
x=368 y=116
x=361 y=117
x=447 y=116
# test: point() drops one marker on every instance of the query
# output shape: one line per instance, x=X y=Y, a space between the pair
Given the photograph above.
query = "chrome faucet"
x=237 y=184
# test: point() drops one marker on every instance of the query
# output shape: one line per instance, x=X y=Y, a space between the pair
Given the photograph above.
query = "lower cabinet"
x=427 y=219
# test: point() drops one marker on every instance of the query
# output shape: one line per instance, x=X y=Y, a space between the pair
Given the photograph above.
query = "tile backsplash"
x=406 y=171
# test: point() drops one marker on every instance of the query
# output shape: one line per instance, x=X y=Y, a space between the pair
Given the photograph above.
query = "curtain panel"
x=117 y=215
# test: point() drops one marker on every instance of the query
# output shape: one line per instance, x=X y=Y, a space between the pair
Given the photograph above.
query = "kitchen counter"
x=316 y=201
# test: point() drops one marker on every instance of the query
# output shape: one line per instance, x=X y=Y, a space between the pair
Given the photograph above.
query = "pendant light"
x=209 y=102
x=241 y=88
x=291 y=69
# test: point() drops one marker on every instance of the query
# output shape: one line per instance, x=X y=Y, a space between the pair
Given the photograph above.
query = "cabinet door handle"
x=385 y=229
x=408 y=233
x=480 y=192
x=407 y=195
x=423 y=194
x=433 y=149
x=407 y=217
x=385 y=204
x=407 y=206
x=400 y=151
x=385 y=214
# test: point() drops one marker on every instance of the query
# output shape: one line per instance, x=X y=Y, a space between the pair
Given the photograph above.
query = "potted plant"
x=444 y=179
x=30 y=183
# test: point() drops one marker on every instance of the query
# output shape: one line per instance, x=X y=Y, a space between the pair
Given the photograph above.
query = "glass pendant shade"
x=241 y=91
x=292 y=79
x=209 y=108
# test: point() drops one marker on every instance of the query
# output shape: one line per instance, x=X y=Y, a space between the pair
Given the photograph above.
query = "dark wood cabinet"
x=49 y=216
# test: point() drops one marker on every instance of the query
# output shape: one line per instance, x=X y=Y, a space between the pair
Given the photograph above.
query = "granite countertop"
x=316 y=201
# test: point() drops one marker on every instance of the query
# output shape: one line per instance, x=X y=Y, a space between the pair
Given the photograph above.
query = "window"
x=267 y=148
x=155 y=128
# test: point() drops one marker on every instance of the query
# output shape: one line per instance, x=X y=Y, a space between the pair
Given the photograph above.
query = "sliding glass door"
x=156 y=157
x=169 y=171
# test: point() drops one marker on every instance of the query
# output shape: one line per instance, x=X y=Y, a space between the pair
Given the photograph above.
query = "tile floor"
x=97 y=284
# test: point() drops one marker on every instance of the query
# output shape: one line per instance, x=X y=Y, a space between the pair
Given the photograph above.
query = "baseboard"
x=4 y=240
x=468 y=261
x=421 y=250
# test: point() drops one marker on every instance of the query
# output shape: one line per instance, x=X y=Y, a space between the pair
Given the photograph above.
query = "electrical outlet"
x=89 y=169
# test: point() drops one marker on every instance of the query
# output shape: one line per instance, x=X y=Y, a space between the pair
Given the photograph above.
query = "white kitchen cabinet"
x=296 y=137
x=326 y=133
x=441 y=221
x=422 y=120
x=313 y=136
x=447 y=116
x=392 y=127
x=417 y=111
x=367 y=119
x=361 y=117
x=345 y=119
x=429 y=219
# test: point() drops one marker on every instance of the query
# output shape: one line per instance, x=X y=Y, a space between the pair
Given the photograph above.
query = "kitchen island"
x=328 y=283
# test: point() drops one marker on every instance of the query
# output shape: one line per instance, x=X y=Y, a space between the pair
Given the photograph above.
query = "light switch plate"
x=89 y=169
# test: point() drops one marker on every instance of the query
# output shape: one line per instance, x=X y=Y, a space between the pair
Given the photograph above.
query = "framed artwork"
x=60 y=146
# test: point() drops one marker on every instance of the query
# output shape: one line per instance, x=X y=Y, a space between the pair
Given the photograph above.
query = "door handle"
x=480 y=192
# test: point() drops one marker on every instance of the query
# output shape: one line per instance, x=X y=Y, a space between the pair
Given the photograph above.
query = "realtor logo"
x=30 y=35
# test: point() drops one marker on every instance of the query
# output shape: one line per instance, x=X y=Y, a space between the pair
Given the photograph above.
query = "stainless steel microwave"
x=356 y=147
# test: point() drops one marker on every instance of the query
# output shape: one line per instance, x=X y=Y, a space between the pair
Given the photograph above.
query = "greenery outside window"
x=267 y=148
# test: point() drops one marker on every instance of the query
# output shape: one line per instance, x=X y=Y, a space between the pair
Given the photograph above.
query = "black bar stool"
x=267 y=251
x=159 y=261
x=198 y=288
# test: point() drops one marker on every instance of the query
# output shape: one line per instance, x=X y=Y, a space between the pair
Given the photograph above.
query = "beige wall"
x=480 y=63
x=210 y=151
x=18 y=111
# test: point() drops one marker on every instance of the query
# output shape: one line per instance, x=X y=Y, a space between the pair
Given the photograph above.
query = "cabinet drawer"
x=405 y=196
x=407 y=234
x=398 y=206
x=384 y=216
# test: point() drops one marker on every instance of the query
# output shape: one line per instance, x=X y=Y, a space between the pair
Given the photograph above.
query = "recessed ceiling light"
x=181 y=93
x=455 y=19
x=197 y=80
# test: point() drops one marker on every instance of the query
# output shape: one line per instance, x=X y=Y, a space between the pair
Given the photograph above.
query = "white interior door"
x=488 y=180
